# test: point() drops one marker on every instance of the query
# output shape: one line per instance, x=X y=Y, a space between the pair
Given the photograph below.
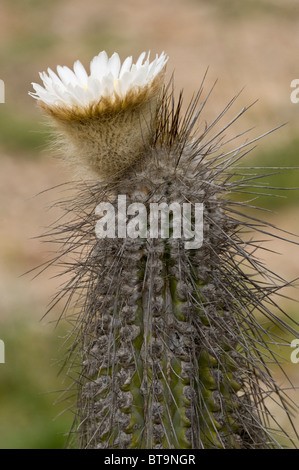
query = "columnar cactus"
x=169 y=351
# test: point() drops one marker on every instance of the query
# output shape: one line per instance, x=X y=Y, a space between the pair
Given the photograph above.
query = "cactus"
x=169 y=351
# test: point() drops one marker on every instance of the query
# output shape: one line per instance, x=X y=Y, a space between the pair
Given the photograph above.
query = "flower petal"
x=98 y=65
x=140 y=59
x=114 y=64
x=53 y=76
x=66 y=75
x=126 y=66
x=80 y=73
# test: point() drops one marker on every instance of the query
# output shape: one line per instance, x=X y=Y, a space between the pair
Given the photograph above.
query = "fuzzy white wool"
x=107 y=78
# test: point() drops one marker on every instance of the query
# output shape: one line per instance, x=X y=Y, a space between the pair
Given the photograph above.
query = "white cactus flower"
x=107 y=117
x=107 y=78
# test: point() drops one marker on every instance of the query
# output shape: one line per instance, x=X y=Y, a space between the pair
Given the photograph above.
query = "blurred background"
x=252 y=44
